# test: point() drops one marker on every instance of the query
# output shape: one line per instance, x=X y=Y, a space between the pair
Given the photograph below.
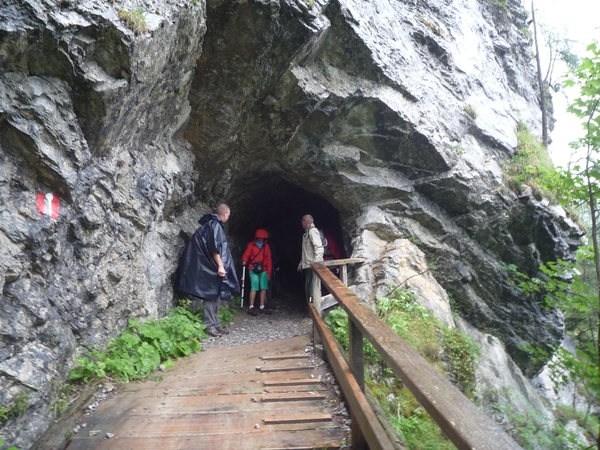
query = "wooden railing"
x=460 y=420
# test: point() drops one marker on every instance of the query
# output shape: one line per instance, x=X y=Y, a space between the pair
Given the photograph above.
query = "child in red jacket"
x=257 y=258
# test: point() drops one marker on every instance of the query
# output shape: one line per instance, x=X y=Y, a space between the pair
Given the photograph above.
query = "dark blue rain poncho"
x=197 y=272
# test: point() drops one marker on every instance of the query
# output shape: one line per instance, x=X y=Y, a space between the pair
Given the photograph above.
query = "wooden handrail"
x=373 y=432
x=460 y=420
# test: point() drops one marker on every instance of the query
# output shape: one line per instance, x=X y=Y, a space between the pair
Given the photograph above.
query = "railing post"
x=356 y=354
x=344 y=274
x=316 y=293
x=315 y=290
x=357 y=366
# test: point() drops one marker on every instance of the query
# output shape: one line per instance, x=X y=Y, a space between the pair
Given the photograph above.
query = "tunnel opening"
x=268 y=201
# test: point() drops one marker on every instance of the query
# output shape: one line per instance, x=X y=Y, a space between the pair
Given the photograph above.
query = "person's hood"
x=261 y=234
x=207 y=217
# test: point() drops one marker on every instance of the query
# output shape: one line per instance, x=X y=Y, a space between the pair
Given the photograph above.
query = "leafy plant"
x=19 y=405
x=530 y=165
x=562 y=285
x=414 y=324
x=143 y=347
x=61 y=396
x=470 y=111
x=9 y=448
x=134 y=19
x=533 y=430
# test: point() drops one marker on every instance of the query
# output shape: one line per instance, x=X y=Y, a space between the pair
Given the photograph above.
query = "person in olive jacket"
x=206 y=268
x=259 y=261
x=312 y=251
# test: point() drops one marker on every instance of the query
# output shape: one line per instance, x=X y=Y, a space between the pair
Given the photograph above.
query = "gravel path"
x=290 y=318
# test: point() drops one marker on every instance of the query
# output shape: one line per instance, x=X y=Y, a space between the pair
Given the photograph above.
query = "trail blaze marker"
x=48 y=204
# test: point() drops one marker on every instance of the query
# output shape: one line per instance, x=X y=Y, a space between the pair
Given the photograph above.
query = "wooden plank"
x=462 y=422
x=340 y=262
x=327 y=446
x=289 y=397
x=285 y=369
x=303 y=388
x=313 y=438
x=359 y=406
x=194 y=405
x=296 y=382
x=216 y=407
x=307 y=418
x=280 y=357
x=327 y=301
x=209 y=421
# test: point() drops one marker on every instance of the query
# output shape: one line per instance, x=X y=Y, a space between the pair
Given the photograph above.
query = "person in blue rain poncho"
x=206 y=268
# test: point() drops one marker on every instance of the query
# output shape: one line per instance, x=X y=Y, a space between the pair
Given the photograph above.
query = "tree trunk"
x=540 y=81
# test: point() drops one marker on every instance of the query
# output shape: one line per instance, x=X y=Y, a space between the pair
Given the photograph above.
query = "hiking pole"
x=243 y=281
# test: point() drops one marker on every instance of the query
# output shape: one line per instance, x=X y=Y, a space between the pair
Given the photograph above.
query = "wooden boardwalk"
x=271 y=395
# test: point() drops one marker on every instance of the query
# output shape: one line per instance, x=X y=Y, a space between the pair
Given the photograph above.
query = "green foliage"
x=533 y=430
x=470 y=111
x=414 y=239
x=530 y=165
x=410 y=420
x=134 y=19
x=9 y=448
x=462 y=352
x=434 y=28
x=502 y=5
x=61 y=396
x=561 y=285
x=4 y=412
x=446 y=349
x=143 y=347
x=185 y=303
x=19 y=405
x=227 y=313
x=236 y=301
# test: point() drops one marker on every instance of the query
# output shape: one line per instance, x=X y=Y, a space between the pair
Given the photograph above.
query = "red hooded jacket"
x=254 y=253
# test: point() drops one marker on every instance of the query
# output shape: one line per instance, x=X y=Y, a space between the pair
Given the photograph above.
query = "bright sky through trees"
x=578 y=20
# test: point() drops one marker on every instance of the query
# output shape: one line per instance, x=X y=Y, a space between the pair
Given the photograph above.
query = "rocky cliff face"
x=387 y=119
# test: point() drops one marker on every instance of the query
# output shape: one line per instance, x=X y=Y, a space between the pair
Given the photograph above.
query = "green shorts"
x=258 y=281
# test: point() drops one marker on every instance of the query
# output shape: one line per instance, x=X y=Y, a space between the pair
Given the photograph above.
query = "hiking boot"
x=266 y=311
x=252 y=311
x=223 y=330
x=212 y=331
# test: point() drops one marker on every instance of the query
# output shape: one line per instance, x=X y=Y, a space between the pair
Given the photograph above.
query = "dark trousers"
x=308 y=277
x=211 y=311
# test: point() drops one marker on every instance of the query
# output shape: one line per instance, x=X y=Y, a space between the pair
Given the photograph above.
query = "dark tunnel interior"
x=272 y=203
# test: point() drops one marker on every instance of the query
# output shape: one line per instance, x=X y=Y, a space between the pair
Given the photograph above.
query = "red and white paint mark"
x=48 y=204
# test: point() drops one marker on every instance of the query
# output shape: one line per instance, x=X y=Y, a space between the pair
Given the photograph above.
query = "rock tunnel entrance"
x=270 y=202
